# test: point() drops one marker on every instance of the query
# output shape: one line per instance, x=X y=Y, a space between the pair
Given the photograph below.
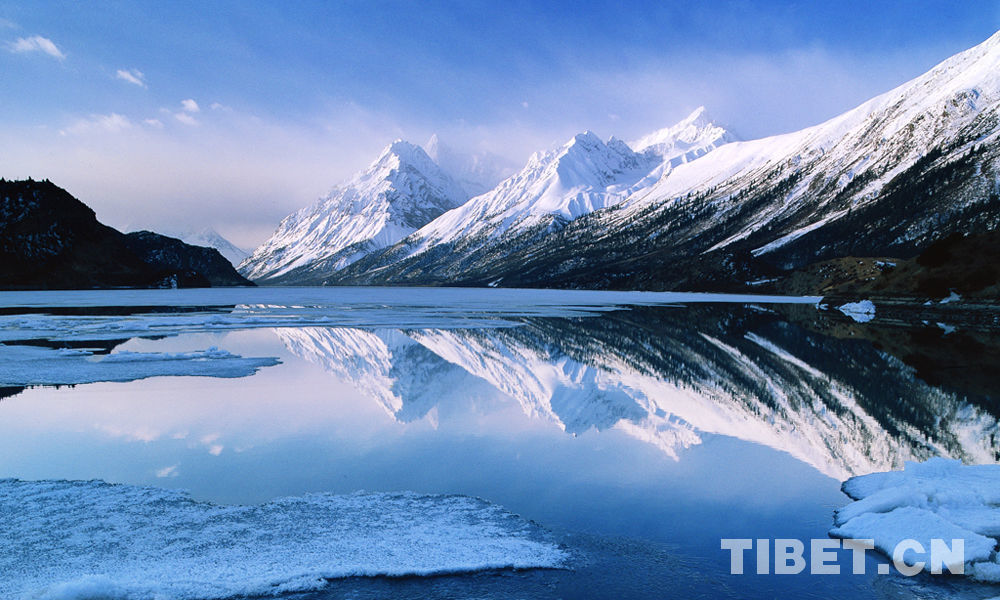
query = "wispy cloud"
x=6 y=24
x=36 y=43
x=112 y=123
x=186 y=118
x=133 y=76
x=190 y=106
x=156 y=123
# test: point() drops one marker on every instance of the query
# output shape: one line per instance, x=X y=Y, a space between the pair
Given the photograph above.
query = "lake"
x=461 y=443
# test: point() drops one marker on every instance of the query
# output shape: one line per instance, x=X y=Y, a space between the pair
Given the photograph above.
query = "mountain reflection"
x=808 y=385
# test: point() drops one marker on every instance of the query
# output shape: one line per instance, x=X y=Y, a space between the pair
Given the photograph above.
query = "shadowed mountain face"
x=51 y=240
x=670 y=376
x=195 y=266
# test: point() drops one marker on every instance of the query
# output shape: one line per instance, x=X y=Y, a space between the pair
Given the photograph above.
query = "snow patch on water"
x=862 y=311
x=77 y=540
x=939 y=499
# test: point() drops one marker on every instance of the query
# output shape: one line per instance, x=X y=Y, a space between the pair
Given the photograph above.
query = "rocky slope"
x=51 y=240
x=193 y=266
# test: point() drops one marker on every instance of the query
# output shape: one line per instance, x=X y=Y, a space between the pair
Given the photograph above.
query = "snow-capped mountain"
x=477 y=173
x=582 y=176
x=211 y=238
x=884 y=179
x=401 y=191
x=585 y=175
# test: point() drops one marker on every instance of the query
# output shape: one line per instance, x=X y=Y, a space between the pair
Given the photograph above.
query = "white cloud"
x=133 y=76
x=190 y=106
x=141 y=433
x=113 y=123
x=170 y=471
x=158 y=124
x=222 y=107
x=186 y=119
x=36 y=43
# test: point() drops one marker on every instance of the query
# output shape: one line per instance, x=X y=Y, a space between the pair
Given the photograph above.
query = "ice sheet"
x=74 y=540
x=24 y=366
x=121 y=314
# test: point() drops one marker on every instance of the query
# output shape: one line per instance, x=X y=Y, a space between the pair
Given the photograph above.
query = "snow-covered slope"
x=401 y=191
x=582 y=176
x=212 y=239
x=877 y=141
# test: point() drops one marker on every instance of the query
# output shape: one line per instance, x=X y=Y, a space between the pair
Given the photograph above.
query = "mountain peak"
x=401 y=191
x=699 y=117
x=586 y=137
x=433 y=146
x=404 y=150
x=685 y=140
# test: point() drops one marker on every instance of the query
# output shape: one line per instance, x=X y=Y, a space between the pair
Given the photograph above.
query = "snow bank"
x=939 y=499
x=23 y=366
x=85 y=540
x=862 y=312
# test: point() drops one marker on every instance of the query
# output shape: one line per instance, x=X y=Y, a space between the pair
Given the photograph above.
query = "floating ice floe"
x=76 y=539
x=952 y=297
x=25 y=366
x=862 y=311
x=940 y=499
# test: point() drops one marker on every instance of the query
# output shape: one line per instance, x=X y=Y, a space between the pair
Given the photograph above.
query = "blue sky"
x=233 y=114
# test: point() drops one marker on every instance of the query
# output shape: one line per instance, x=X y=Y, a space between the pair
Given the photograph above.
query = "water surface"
x=634 y=429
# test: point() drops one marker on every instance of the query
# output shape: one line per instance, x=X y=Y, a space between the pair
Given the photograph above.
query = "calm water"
x=635 y=430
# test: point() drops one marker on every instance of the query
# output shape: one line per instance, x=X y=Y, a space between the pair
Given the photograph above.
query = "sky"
x=187 y=114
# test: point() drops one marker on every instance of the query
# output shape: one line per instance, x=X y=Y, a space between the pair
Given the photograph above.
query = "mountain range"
x=687 y=207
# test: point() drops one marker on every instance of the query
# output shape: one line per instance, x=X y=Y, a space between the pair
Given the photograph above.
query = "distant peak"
x=698 y=116
x=697 y=129
x=435 y=148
